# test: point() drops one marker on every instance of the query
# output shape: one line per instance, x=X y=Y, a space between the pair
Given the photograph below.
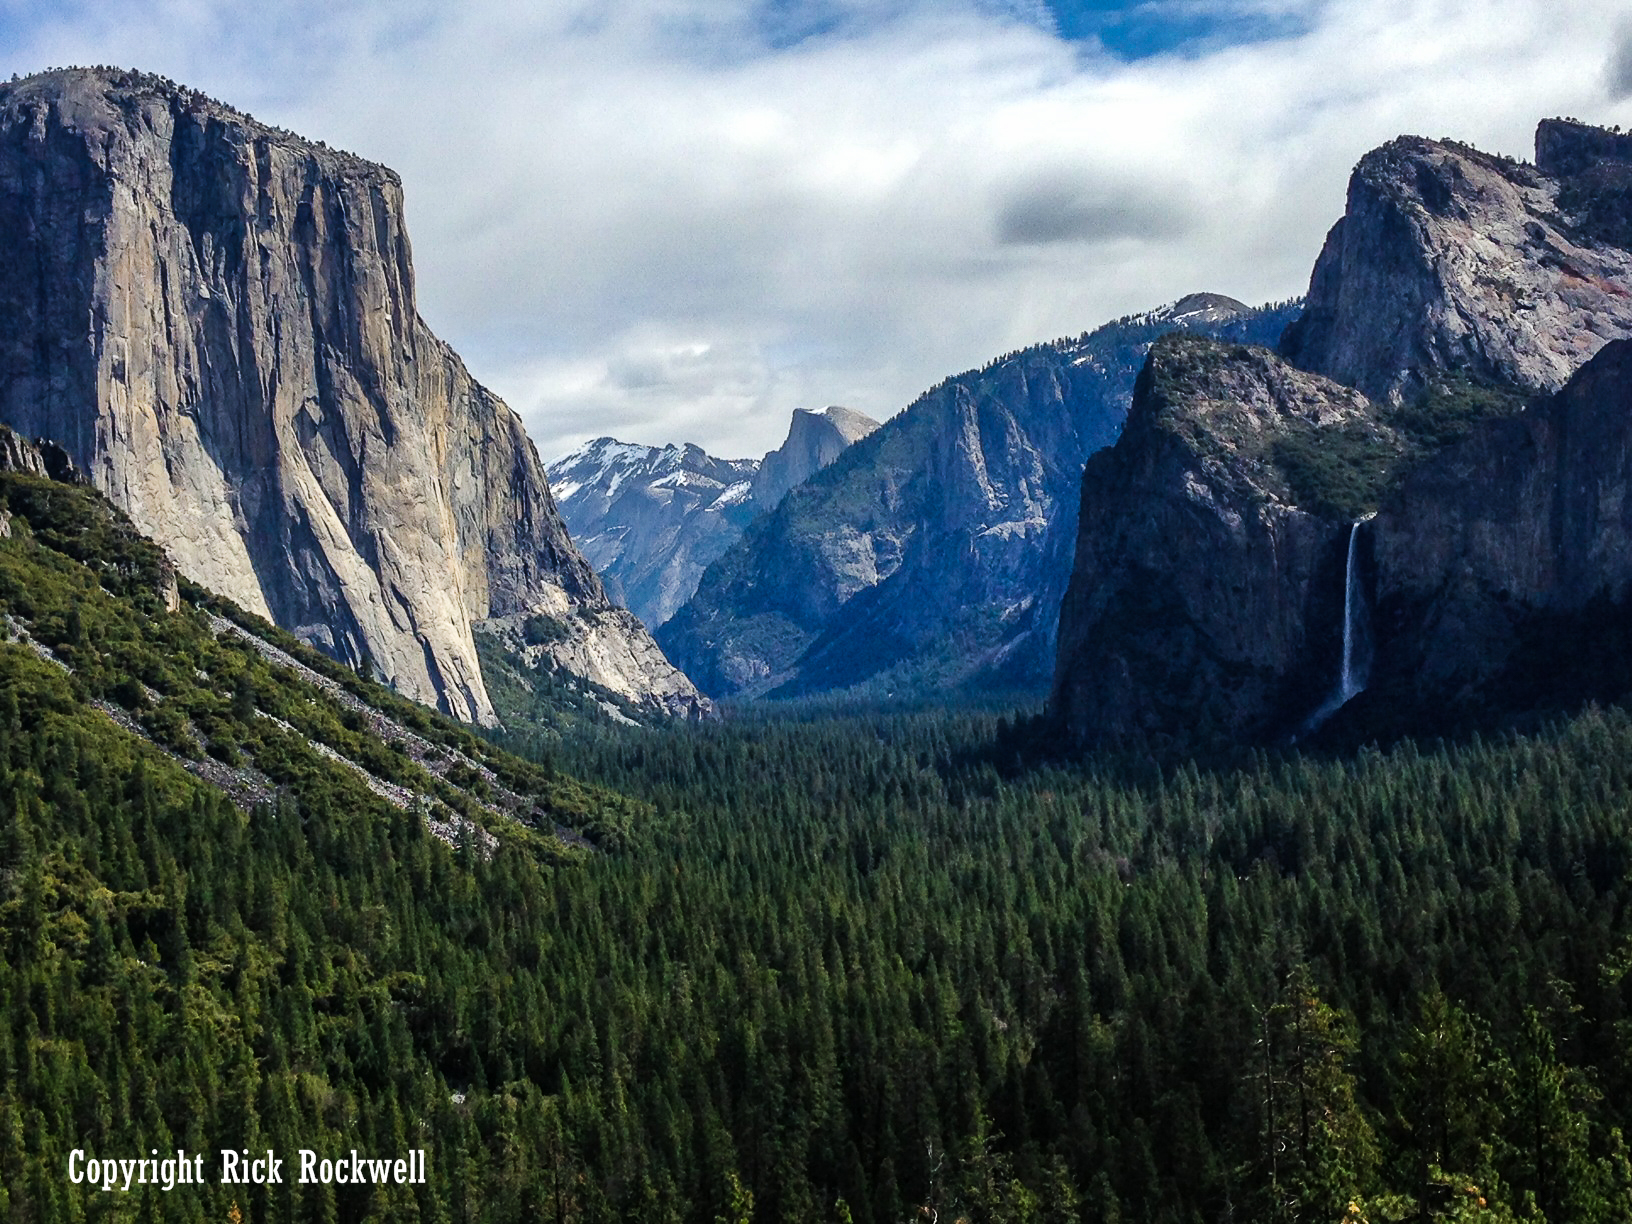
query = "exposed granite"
x=1449 y=259
x=1202 y=590
x=1206 y=603
x=814 y=440
x=255 y=386
x=1504 y=564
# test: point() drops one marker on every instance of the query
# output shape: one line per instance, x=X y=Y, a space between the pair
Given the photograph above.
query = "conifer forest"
x=824 y=964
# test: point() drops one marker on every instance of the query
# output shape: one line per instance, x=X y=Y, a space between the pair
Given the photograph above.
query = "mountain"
x=1449 y=259
x=814 y=440
x=651 y=519
x=1231 y=583
x=216 y=319
x=933 y=553
x=1209 y=558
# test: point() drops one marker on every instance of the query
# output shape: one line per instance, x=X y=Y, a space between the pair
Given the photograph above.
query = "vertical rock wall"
x=217 y=320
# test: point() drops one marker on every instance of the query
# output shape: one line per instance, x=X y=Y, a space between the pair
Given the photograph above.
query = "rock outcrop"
x=216 y=319
x=20 y=454
x=1449 y=260
x=814 y=440
x=35 y=457
x=1205 y=589
x=933 y=553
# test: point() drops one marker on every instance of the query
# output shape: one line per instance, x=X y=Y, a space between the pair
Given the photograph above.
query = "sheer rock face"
x=1504 y=564
x=1451 y=260
x=217 y=321
x=1201 y=587
x=814 y=440
x=933 y=553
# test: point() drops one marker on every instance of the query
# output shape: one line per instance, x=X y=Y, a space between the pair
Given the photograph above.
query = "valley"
x=1177 y=772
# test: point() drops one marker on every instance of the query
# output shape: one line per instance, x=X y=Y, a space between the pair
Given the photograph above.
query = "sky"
x=680 y=220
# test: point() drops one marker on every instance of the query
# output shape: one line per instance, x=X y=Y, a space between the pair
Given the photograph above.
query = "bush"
x=540 y=630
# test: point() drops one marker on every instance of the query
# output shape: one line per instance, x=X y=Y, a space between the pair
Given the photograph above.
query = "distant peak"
x=1205 y=307
x=850 y=424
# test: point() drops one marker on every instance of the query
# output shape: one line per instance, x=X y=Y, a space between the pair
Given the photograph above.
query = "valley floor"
x=847 y=967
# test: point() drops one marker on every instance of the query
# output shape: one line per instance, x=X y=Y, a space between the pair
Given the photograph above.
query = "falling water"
x=1349 y=683
x=1352 y=679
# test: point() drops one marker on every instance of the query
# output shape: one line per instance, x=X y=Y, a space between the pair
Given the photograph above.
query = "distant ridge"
x=932 y=554
x=650 y=519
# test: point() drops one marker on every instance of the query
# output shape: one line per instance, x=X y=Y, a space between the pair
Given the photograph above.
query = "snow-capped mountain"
x=650 y=519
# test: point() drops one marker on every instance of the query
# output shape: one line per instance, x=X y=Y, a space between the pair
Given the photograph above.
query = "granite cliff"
x=1205 y=586
x=1502 y=567
x=651 y=519
x=814 y=440
x=1449 y=260
x=933 y=553
x=1214 y=555
x=216 y=319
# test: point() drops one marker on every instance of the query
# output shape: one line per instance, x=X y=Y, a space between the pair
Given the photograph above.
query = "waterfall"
x=1349 y=683
x=1351 y=679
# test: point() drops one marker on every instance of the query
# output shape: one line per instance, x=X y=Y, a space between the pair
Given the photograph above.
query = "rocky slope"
x=934 y=552
x=1207 y=602
x=216 y=319
x=651 y=519
x=94 y=627
x=1451 y=260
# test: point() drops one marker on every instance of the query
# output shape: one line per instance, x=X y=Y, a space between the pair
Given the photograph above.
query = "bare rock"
x=1449 y=260
x=1202 y=584
x=217 y=320
x=1504 y=564
x=814 y=440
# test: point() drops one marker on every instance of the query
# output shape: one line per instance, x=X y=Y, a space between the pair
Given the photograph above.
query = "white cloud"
x=681 y=219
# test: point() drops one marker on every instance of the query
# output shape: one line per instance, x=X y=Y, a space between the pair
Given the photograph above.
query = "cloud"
x=1618 y=72
x=1070 y=209
x=681 y=219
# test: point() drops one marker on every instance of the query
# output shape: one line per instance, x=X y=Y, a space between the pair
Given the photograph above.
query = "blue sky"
x=1130 y=31
x=1137 y=31
x=679 y=220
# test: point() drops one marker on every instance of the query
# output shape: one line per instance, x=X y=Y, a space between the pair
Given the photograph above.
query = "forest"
x=822 y=964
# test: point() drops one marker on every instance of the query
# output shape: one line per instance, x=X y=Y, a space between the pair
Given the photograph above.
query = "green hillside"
x=317 y=966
